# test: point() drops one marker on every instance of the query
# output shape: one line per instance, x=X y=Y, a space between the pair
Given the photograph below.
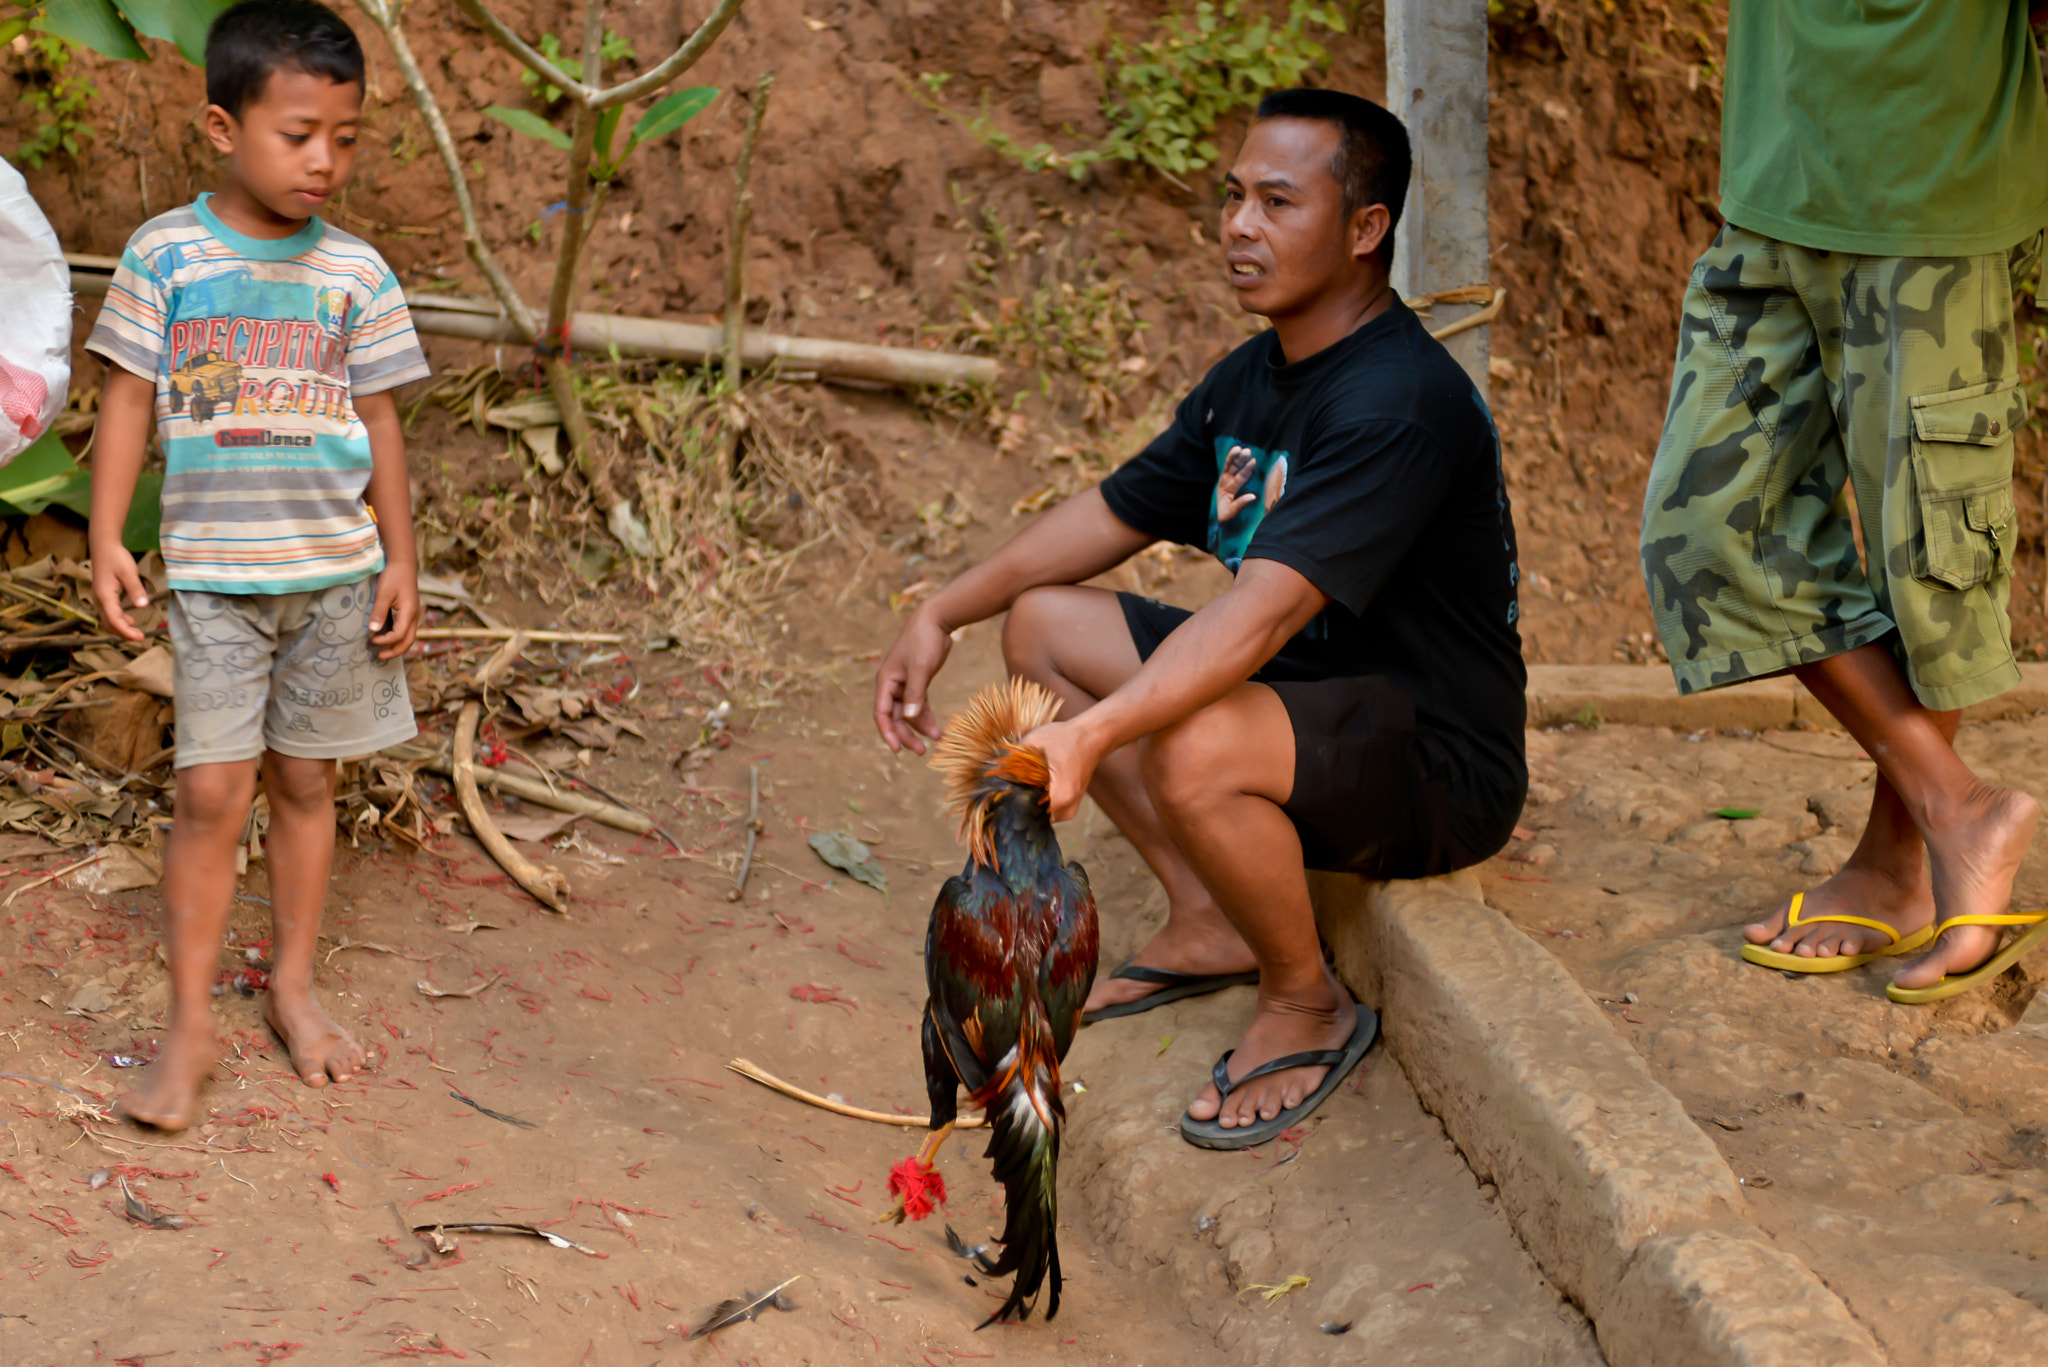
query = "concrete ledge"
x=1620 y=1198
x=1644 y=695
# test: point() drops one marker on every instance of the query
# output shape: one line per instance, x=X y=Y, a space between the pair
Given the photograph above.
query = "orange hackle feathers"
x=983 y=744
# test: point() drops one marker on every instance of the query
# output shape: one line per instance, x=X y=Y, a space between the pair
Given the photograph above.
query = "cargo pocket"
x=1962 y=477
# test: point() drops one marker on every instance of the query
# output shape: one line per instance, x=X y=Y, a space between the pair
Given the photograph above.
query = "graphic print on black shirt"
x=1372 y=469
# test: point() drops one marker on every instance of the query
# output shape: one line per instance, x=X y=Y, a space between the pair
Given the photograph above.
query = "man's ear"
x=1369 y=228
x=221 y=127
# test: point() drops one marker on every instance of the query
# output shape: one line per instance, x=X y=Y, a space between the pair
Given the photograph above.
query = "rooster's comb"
x=982 y=742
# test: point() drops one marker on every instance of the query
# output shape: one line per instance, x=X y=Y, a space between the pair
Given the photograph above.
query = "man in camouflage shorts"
x=1849 y=335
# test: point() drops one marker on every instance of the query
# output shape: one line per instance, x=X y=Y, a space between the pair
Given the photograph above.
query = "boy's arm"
x=119 y=440
x=390 y=496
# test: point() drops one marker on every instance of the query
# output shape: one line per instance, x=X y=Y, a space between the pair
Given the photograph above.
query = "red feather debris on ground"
x=1010 y=954
x=919 y=1185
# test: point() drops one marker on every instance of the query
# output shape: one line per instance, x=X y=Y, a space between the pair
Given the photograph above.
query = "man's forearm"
x=1205 y=657
x=1077 y=540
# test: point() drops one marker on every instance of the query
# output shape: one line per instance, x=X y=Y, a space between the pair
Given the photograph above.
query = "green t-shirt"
x=1885 y=127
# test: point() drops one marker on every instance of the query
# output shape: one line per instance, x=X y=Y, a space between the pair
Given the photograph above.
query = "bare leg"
x=1075 y=642
x=301 y=853
x=1884 y=880
x=1975 y=834
x=1218 y=780
x=211 y=808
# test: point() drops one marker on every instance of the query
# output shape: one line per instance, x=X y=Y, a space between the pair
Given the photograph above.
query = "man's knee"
x=1187 y=765
x=1028 y=631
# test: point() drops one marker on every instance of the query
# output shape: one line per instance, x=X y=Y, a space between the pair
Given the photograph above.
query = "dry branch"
x=546 y=884
x=528 y=790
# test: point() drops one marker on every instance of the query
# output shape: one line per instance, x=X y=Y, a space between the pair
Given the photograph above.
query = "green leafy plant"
x=58 y=98
x=113 y=28
x=614 y=48
x=1167 y=95
x=666 y=116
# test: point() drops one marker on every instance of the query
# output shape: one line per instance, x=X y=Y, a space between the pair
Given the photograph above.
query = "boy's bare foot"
x=1197 y=941
x=1891 y=891
x=1324 y=1019
x=167 y=1094
x=1975 y=852
x=321 y=1050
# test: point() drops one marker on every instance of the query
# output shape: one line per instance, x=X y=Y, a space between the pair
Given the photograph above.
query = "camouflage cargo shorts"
x=1805 y=379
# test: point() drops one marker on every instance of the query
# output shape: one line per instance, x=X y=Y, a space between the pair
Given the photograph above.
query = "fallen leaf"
x=427 y=989
x=850 y=856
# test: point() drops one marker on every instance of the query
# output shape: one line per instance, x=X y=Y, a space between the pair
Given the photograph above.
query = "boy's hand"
x=114 y=574
x=396 y=611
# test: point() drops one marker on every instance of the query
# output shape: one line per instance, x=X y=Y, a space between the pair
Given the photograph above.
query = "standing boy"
x=1884 y=172
x=266 y=345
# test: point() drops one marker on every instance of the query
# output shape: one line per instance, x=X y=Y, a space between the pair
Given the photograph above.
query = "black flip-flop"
x=1173 y=987
x=1209 y=1134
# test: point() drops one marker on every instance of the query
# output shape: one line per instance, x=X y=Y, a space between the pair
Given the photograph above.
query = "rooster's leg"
x=928 y=1155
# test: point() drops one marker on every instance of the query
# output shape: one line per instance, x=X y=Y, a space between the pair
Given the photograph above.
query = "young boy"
x=266 y=345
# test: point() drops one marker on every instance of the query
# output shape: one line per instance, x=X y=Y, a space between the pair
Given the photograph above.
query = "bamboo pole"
x=479 y=320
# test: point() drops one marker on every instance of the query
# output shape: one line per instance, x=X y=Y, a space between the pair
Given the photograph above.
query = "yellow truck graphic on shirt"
x=205 y=383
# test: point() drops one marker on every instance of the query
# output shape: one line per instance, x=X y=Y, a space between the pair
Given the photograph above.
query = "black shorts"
x=1374 y=792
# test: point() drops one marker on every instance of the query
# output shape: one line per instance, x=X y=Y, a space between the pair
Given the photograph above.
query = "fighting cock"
x=1009 y=958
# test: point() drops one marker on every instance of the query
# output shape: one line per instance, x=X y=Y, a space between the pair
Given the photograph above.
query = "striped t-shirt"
x=256 y=348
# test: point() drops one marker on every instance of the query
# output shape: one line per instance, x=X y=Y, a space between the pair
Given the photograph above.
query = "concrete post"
x=1436 y=83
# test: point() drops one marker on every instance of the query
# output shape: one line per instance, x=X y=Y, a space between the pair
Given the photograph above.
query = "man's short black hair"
x=1372 y=161
x=257 y=37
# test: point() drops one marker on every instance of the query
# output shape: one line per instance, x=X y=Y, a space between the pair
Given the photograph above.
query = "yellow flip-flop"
x=1834 y=963
x=1984 y=972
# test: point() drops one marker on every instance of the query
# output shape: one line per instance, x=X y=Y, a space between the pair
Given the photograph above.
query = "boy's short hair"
x=257 y=37
x=1373 y=159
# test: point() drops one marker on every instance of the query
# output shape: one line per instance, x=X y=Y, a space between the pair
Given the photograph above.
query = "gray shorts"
x=290 y=672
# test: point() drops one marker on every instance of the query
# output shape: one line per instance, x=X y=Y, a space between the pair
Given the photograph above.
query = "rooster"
x=1009 y=958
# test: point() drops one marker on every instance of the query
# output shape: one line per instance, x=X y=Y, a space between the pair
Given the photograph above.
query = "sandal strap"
x=1161 y=977
x=1793 y=918
x=1308 y=1058
x=2010 y=918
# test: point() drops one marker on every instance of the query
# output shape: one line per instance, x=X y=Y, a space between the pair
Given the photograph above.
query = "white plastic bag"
x=35 y=319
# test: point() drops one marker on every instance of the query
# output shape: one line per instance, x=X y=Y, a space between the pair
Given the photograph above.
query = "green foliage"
x=669 y=113
x=1167 y=95
x=1072 y=321
x=45 y=474
x=59 y=100
x=613 y=48
x=109 y=27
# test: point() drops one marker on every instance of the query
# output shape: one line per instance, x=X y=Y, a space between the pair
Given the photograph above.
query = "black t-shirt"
x=1376 y=475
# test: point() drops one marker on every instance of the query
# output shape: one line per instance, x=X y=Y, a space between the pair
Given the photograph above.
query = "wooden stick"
x=526 y=790
x=602 y=638
x=1472 y=320
x=53 y=877
x=739 y=887
x=547 y=885
x=769 y=1080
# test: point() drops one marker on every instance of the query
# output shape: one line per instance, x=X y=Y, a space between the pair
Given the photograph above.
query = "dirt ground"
x=1898 y=1150
x=608 y=1034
